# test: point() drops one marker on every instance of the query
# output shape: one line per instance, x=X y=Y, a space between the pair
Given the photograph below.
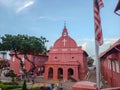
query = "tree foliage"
x=90 y=62
x=24 y=44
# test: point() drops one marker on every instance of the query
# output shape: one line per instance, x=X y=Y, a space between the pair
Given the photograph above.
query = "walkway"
x=39 y=81
x=92 y=75
x=67 y=85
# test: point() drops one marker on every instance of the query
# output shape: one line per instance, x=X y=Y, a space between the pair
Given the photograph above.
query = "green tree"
x=24 y=44
x=90 y=62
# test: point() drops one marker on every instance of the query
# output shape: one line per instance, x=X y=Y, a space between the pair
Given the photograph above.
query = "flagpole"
x=97 y=65
x=97 y=58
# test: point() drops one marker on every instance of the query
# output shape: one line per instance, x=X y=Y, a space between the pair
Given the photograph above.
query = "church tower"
x=66 y=60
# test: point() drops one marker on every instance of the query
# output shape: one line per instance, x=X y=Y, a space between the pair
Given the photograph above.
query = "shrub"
x=35 y=88
x=10 y=83
x=8 y=86
x=24 y=85
x=12 y=75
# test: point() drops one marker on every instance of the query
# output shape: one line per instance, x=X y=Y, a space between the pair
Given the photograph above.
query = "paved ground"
x=67 y=85
x=92 y=75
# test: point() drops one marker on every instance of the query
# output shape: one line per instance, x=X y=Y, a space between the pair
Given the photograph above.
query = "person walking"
x=60 y=86
x=33 y=77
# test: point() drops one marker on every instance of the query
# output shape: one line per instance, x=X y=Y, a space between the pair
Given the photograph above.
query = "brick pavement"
x=67 y=85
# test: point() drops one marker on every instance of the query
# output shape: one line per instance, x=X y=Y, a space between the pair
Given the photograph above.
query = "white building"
x=5 y=54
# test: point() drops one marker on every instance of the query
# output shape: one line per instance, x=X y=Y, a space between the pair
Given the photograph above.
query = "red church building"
x=110 y=65
x=66 y=60
x=39 y=61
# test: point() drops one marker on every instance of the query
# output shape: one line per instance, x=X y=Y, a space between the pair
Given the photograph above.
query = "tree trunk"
x=21 y=64
x=32 y=62
x=0 y=73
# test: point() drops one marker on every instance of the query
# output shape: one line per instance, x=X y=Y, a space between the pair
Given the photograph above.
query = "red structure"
x=39 y=61
x=84 y=85
x=66 y=60
x=110 y=65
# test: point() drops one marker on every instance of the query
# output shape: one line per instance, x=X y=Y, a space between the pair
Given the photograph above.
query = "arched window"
x=109 y=64
x=113 y=65
x=70 y=71
x=117 y=66
x=60 y=73
x=50 y=73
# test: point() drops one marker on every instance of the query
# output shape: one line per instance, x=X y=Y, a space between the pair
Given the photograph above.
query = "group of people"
x=52 y=87
x=56 y=86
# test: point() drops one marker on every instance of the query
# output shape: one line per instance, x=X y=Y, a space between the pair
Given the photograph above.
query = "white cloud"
x=84 y=46
x=24 y=6
x=110 y=40
x=89 y=45
x=86 y=40
x=54 y=18
x=107 y=43
x=46 y=18
x=42 y=17
x=16 y=5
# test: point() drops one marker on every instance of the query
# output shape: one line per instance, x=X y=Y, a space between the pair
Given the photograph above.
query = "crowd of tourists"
x=56 y=86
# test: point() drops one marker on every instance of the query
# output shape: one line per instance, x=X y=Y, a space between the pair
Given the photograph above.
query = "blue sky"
x=46 y=18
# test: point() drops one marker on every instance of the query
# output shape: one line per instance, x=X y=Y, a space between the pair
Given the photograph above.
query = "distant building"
x=66 y=60
x=39 y=61
x=110 y=65
x=5 y=54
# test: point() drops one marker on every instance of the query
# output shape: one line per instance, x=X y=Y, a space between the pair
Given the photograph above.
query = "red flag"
x=97 y=21
x=117 y=8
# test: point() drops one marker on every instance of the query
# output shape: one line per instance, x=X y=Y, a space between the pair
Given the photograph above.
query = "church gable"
x=65 y=41
x=65 y=49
